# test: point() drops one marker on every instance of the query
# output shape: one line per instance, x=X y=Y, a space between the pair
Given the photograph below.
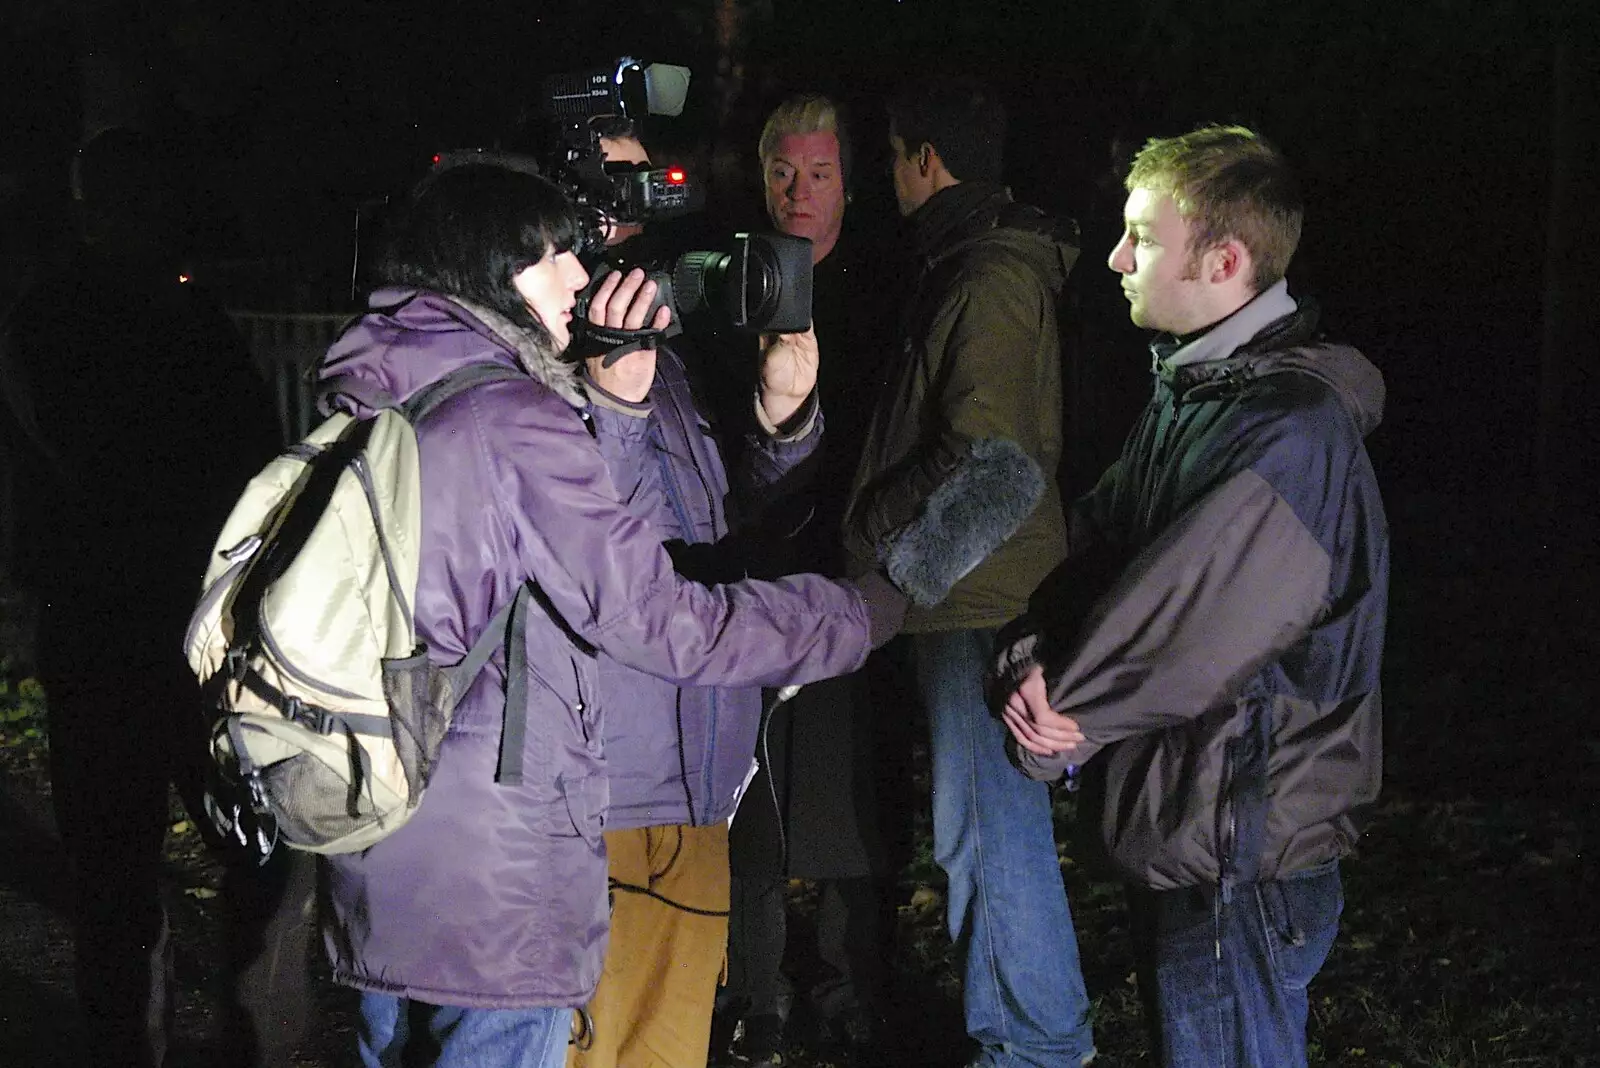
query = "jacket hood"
x=1287 y=345
x=410 y=338
x=968 y=212
x=1352 y=376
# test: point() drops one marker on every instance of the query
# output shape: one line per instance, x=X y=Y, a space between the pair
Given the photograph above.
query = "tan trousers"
x=653 y=1006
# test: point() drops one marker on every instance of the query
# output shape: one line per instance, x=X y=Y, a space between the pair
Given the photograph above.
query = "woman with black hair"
x=474 y=929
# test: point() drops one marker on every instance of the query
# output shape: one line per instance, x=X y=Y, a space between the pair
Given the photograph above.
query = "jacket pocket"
x=1300 y=918
x=586 y=799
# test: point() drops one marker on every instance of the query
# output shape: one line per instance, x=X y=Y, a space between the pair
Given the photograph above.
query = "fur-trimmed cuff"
x=794 y=428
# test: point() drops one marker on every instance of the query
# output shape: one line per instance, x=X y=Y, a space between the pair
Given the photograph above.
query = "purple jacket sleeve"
x=613 y=583
x=623 y=438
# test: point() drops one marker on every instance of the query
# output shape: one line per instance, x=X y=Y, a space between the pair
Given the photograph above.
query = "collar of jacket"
x=1224 y=337
x=953 y=213
x=536 y=357
x=1239 y=349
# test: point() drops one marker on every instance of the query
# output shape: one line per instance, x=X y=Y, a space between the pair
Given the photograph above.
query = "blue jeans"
x=993 y=836
x=397 y=1032
x=1226 y=981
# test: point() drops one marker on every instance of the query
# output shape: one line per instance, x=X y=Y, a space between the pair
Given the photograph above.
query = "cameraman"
x=667 y=831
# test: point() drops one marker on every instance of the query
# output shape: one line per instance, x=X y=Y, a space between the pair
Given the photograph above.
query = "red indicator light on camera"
x=677 y=176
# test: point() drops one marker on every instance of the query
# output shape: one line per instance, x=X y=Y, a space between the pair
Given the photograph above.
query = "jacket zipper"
x=1227 y=825
x=1163 y=444
x=579 y=706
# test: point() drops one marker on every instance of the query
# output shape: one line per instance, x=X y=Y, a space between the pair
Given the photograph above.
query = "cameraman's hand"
x=622 y=302
x=788 y=373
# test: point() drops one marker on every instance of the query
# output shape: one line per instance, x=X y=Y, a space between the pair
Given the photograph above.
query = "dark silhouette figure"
x=136 y=420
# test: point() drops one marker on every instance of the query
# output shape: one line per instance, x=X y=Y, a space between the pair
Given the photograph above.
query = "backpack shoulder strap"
x=462 y=674
x=507 y=628
x=417 y=407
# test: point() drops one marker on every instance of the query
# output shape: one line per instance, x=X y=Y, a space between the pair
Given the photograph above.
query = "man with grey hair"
x=813 y=810
x=805 y=165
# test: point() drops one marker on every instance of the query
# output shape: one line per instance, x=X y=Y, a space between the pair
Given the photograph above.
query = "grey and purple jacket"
x=680 y=754
x=494 y=896
x=1228 y=679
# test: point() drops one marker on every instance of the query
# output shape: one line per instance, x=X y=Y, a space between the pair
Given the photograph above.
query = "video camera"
x=760 y=282
x=615 y=192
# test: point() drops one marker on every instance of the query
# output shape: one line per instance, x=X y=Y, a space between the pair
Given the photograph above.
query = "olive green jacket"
x=980 y=358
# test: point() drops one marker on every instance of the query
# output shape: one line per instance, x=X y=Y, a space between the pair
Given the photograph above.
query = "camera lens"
x=696 y=278
x=764 y=284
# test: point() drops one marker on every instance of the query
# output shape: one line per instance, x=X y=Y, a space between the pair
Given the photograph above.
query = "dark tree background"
x=1448 y=149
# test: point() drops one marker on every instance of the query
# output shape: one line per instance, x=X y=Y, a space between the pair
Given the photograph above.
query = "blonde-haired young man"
x=1228 y=676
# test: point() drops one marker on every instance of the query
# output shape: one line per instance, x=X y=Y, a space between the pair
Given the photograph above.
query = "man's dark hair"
x=614 y=127
x=467 y=232
x=961 y=118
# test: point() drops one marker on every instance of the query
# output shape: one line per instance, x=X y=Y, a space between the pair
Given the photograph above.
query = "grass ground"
x=1470 y=933
x=1469 y=940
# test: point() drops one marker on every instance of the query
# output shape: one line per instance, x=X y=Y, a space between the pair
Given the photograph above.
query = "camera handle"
x=615 y=342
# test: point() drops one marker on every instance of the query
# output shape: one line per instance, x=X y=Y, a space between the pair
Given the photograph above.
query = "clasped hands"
x=1036 y=726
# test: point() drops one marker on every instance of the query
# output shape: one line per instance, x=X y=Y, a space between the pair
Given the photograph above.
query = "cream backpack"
x=327 y=714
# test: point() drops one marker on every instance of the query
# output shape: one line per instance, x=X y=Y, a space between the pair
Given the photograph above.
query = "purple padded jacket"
x=684 y=753
x=494 y=896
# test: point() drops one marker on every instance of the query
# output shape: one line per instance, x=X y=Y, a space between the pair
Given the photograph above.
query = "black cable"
x=584 y=1039
x=772 y=783
x=645 y=891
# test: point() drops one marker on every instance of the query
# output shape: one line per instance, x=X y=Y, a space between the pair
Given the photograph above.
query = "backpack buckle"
x=258 y=799
x=235 y=664
x=312 y=717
